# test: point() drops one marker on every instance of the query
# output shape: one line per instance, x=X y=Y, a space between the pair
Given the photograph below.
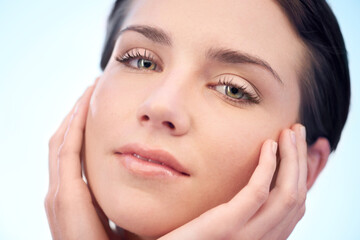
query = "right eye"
x=143 y=63
x=139 y=59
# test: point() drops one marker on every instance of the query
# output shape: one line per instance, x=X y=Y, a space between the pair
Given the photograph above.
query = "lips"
x=143 y=160
x=147 y=159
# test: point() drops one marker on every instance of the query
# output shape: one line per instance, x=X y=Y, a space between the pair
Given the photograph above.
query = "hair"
x=324 y=80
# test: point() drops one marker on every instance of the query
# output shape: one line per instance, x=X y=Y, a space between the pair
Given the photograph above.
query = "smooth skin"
x=254 y=213
x=203 y=49
x=225 y=144
x=68 y=204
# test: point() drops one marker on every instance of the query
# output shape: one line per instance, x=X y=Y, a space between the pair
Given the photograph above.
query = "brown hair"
x=324 y=82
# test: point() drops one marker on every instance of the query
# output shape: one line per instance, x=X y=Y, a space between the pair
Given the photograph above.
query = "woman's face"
x=197 y=86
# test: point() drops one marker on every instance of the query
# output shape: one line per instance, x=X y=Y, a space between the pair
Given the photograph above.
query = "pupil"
x=234 y=90
x=147 y=64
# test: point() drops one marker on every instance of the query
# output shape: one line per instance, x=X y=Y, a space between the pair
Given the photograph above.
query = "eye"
x=232 y=92
x=139 y=59
x=236 y=93
x=144 y=64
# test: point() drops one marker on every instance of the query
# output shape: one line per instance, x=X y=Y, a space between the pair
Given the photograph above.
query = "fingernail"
x=303 y=132
x=293 y=137
x=274 y=147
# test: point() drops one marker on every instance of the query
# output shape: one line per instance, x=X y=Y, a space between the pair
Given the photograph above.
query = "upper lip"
x=158 y=155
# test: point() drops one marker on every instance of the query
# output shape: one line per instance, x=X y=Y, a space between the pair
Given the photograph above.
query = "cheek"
x=113 y=107
x=109 y=114
x=230 y=162
x=110 y=101
x=232 y=151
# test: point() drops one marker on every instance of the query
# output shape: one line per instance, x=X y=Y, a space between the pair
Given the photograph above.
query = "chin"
x=146 y=213
x=148 y=221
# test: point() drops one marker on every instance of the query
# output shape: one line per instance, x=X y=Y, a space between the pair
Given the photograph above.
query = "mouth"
x=144 y=161
x=147 y=159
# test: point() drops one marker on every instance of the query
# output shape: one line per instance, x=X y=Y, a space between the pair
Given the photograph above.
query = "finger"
x=286 y=226
x=54 y=145
x=255 y=193
x=284 y=229
x=301 y=144
x=283 y=197
x=55 y=142
x=287 y=231
x=69 y=152
x=58 y=137
x=218 y=222
x=289 y=165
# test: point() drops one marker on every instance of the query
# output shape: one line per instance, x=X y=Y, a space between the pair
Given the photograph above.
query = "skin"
x=254 y=213
x=216 y=135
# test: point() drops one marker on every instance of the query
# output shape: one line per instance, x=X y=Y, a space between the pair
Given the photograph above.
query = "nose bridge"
x=165 y=107
x=171 y=91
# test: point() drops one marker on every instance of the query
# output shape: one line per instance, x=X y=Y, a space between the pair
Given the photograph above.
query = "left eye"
x=142 y=63
x=231 y=91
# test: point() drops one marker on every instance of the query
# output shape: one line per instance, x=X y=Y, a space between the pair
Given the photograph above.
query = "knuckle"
x=59 y=201
x=48 y=202
x=57 y=205
x=50 y=199
x=261 y=193
x=246 y=235
x=290 y=199
x=63 y=152
x=302 y=211
x=302 y=195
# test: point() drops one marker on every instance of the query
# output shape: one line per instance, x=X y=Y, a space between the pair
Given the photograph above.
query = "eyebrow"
x=154 y=34
x=236 y=57
x=228 y=56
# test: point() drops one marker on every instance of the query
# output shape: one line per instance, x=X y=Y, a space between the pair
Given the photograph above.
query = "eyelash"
x=136 y=54
x=251 y=98
x=133 y=54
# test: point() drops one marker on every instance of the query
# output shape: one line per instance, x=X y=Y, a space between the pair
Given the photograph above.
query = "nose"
x=164 y=110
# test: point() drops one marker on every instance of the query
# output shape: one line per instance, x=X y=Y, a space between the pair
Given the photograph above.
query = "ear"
x=318 y=155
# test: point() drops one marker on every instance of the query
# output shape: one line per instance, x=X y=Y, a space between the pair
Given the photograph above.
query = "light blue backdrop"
x=49 y=53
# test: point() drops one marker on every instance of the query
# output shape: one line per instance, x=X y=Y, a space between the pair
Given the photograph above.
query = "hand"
x=256 y=212
x=69 y=204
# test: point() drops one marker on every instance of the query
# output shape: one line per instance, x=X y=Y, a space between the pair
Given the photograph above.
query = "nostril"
x=145 y=118
x=169 y=124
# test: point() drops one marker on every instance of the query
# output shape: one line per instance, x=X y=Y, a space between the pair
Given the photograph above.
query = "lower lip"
x=145 y=168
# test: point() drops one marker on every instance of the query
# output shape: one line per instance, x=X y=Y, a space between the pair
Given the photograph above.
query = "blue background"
x=49 y=53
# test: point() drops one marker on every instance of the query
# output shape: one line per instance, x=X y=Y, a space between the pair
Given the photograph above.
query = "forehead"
x=257 y=27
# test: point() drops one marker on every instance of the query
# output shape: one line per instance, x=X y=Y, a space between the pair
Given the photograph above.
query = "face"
x=177 y=120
